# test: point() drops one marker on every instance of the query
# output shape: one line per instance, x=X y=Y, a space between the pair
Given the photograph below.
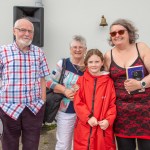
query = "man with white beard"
x=23 y=69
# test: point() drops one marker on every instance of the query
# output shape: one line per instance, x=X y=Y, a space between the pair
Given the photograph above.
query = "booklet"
x=135 y=72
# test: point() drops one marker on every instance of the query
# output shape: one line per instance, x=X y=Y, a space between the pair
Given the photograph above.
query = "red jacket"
x=104 y=108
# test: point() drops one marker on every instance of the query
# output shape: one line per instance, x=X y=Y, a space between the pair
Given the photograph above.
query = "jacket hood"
x=104 y=77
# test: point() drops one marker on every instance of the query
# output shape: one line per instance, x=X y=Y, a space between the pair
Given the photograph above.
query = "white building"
x=65 y=18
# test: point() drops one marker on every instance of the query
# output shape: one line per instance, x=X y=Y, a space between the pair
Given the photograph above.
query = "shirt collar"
x=17 y=49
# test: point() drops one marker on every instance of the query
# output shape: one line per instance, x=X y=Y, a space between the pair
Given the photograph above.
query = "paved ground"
x=47 y=140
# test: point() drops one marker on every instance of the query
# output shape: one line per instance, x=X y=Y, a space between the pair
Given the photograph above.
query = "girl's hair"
x=93 y=52
x=132 y=31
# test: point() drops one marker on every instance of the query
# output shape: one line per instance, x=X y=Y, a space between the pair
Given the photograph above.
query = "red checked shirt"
x=20 y=79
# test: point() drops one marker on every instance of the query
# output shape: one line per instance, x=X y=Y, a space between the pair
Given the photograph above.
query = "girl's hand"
x=103 y=124
x=92 y=122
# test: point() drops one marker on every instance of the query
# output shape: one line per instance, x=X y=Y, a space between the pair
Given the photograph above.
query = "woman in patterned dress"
x=133 y=108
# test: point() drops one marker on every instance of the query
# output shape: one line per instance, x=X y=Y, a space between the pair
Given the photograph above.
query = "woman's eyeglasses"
x=120 y=32
x=76 y=47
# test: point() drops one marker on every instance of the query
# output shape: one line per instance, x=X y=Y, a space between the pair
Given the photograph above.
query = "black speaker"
x=36 y=15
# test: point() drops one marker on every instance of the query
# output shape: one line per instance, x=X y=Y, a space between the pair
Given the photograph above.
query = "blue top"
x=71 y=75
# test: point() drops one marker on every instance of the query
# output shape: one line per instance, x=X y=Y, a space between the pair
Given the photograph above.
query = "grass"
x=48 y=127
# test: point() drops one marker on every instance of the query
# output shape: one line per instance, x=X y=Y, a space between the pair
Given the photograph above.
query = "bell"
x=103 y=21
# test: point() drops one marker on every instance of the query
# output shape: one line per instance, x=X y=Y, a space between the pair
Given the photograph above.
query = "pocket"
x=82 y=132
x=109 y=139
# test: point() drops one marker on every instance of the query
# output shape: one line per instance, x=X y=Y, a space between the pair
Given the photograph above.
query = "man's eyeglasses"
x=120 y=32
x=24 y=30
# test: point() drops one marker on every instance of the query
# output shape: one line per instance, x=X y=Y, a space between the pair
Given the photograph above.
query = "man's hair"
x=23 y=18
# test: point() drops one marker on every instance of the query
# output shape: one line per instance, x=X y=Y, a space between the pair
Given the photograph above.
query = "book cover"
x=135 y=72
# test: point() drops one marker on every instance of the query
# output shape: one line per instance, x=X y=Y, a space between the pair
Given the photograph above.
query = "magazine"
x=135 y=72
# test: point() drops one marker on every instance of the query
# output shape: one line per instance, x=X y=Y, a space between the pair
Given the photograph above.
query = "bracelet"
x=64 y=90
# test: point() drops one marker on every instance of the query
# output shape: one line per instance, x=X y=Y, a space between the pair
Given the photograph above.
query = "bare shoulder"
x=107 y=60
x=145 y=54
x=107 y=55
x=143 y=47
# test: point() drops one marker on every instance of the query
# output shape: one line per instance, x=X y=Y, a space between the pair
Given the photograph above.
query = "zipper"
x=92 y=111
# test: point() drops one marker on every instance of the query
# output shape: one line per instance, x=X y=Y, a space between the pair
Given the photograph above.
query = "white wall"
x=64 y=18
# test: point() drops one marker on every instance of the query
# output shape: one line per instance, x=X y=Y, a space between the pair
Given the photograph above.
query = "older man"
x=23 y=68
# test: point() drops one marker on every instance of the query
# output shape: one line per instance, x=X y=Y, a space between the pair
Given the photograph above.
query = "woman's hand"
x=132 y=85
x=92 y=122
x=75 y=87
x=103 y=124
x=69 y=93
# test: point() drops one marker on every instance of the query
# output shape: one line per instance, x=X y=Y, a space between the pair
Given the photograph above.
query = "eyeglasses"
x=76 y=47
x=24 y=30
x=120 y=32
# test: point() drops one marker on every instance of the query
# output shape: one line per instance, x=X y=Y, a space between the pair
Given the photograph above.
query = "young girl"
x=95 y=107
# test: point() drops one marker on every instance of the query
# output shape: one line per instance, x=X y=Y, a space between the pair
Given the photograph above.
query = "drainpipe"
x=38 y=3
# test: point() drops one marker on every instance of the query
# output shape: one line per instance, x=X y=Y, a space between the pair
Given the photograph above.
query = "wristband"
x=143 y=84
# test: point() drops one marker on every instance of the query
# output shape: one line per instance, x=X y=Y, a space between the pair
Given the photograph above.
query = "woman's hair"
x=93 y=52
x=78 y=38
x=132 y=31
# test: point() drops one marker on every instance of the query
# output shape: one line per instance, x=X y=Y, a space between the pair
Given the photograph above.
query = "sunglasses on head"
x=120 y=32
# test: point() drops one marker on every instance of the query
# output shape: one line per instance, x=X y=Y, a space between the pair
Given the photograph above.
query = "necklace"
x=76 y=68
